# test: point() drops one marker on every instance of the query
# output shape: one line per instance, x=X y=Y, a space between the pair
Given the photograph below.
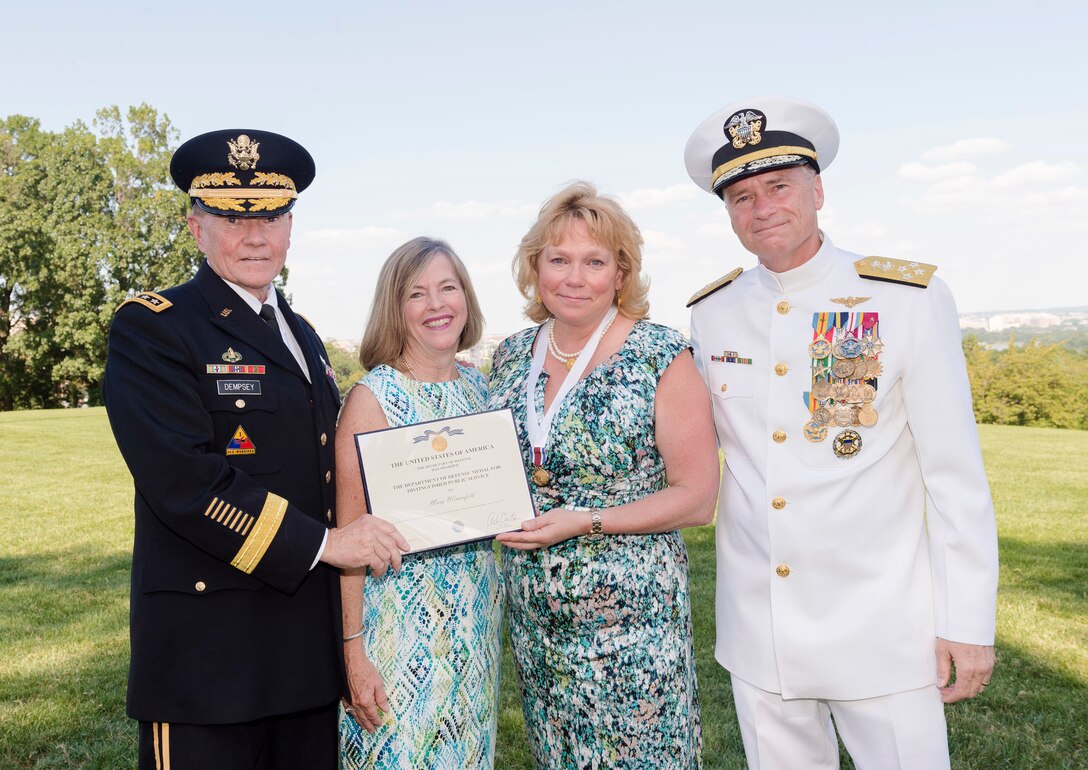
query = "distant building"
x=1020 y=320
x=480 y=355
x=1024 y=319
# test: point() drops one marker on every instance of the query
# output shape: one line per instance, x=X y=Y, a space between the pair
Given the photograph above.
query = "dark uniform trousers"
x=231 y=453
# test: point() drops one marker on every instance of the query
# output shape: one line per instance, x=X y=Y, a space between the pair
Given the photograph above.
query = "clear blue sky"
x=963 y=125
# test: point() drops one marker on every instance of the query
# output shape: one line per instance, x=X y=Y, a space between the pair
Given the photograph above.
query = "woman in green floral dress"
x=620 y=444
x=422 y=646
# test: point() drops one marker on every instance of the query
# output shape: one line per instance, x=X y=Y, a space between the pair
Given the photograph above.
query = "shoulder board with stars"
x=149 y=299
x=895 y=271
x=713 y=286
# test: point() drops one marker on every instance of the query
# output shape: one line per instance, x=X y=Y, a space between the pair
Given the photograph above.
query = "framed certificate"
x=447 y=481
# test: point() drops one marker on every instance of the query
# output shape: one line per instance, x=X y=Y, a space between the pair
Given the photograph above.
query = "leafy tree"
x=86 y=219
x=1033 y=384
x=346 y=365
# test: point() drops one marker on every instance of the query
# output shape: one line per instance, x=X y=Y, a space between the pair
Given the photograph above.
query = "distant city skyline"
x=960 y=126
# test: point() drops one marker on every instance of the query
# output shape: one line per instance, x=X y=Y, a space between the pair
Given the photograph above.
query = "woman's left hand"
x=549 y=528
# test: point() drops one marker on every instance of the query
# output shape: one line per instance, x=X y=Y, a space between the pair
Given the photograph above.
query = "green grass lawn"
x=66 y=535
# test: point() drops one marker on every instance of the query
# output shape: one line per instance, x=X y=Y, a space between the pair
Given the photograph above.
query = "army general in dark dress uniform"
x=224 y=406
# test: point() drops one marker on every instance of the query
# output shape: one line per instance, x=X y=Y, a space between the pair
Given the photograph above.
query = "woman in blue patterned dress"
x=620 y=442
x=421 y=646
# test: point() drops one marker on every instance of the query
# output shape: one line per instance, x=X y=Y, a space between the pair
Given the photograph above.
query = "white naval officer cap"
x=751 y=136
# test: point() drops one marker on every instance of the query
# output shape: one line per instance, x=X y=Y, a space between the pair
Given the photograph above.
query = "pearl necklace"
x=408 y=366
x=568 y=359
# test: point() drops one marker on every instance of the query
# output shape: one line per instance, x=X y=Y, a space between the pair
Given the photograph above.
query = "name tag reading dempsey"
x=231 y=387
x=447 y=481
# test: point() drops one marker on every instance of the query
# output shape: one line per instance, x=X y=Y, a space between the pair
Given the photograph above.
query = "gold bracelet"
x=356 y=635
x=595 y=531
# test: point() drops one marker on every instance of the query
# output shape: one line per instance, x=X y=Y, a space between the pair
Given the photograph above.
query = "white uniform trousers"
x=901 y=731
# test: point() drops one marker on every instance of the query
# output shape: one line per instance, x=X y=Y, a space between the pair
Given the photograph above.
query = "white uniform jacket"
x=835 y=574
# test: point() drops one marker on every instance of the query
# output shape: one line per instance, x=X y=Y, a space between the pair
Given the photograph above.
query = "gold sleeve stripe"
x=245 y=520
x=255 y=545
x=165 y=746
x=249 y=523
x=224 y=513
x=210 y=506
x=229 y=523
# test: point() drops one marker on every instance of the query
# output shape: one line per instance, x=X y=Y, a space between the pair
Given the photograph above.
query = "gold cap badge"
x=243 y=152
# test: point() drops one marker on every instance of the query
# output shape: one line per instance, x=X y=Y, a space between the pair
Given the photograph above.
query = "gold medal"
x=847 y=444
x=868 y=393
x=814 y=432
x=854 y=394
x=821 y=416
x=843 y=368
x=844 y=416
x=838 y=391
x=867 y=416
x=873 y=368
x=540 y=476
x=819 y=348
x=821 y=390
x=847 y=347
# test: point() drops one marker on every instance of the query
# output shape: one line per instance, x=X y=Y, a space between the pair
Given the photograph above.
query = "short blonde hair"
x=607 y=223
x=386 y=335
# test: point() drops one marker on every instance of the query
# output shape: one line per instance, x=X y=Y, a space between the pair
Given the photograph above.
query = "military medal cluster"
x=845 y=353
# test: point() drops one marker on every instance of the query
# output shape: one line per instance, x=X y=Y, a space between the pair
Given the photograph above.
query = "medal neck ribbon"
x=540 y=429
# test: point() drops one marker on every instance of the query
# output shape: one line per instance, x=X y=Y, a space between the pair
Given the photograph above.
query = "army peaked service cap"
x=242 y=172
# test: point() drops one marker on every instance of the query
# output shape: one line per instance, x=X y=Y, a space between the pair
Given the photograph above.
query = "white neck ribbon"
x=540 y=429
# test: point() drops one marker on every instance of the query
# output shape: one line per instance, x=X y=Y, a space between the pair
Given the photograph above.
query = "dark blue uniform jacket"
x=231 y=453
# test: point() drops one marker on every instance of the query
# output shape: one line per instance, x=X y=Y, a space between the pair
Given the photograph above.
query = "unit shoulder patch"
x=150 y=300
x=713 y=286
x=895 y=271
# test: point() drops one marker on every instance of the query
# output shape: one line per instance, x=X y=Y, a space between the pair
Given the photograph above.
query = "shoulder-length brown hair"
x=386 y=335
x=607 y=223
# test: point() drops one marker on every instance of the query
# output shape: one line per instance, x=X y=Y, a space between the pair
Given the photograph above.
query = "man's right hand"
x=366 y=542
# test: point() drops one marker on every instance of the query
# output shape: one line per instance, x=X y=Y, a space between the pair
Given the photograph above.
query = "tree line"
x=1039 y=384
x=89 y=215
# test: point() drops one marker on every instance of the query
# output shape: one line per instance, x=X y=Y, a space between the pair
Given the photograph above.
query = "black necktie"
x=268 y=313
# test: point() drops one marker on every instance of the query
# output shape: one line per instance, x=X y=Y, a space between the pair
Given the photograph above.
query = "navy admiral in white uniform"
x=224 y=407
x=856 y=543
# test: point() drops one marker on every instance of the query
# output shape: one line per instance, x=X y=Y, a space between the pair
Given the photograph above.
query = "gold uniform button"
x=240 y=403
x=328 y=477
x=781 y=369
x=724 y=387
x=324 y=439
x=782 y=307
x=200 y=585
x=782 y=570
x=779 y=436
x=328 y=515
x=778 y=503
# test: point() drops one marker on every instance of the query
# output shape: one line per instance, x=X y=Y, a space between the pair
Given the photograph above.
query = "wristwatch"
x=595 y=531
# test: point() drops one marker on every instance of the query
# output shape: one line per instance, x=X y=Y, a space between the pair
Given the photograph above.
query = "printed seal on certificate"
x=447 y=481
